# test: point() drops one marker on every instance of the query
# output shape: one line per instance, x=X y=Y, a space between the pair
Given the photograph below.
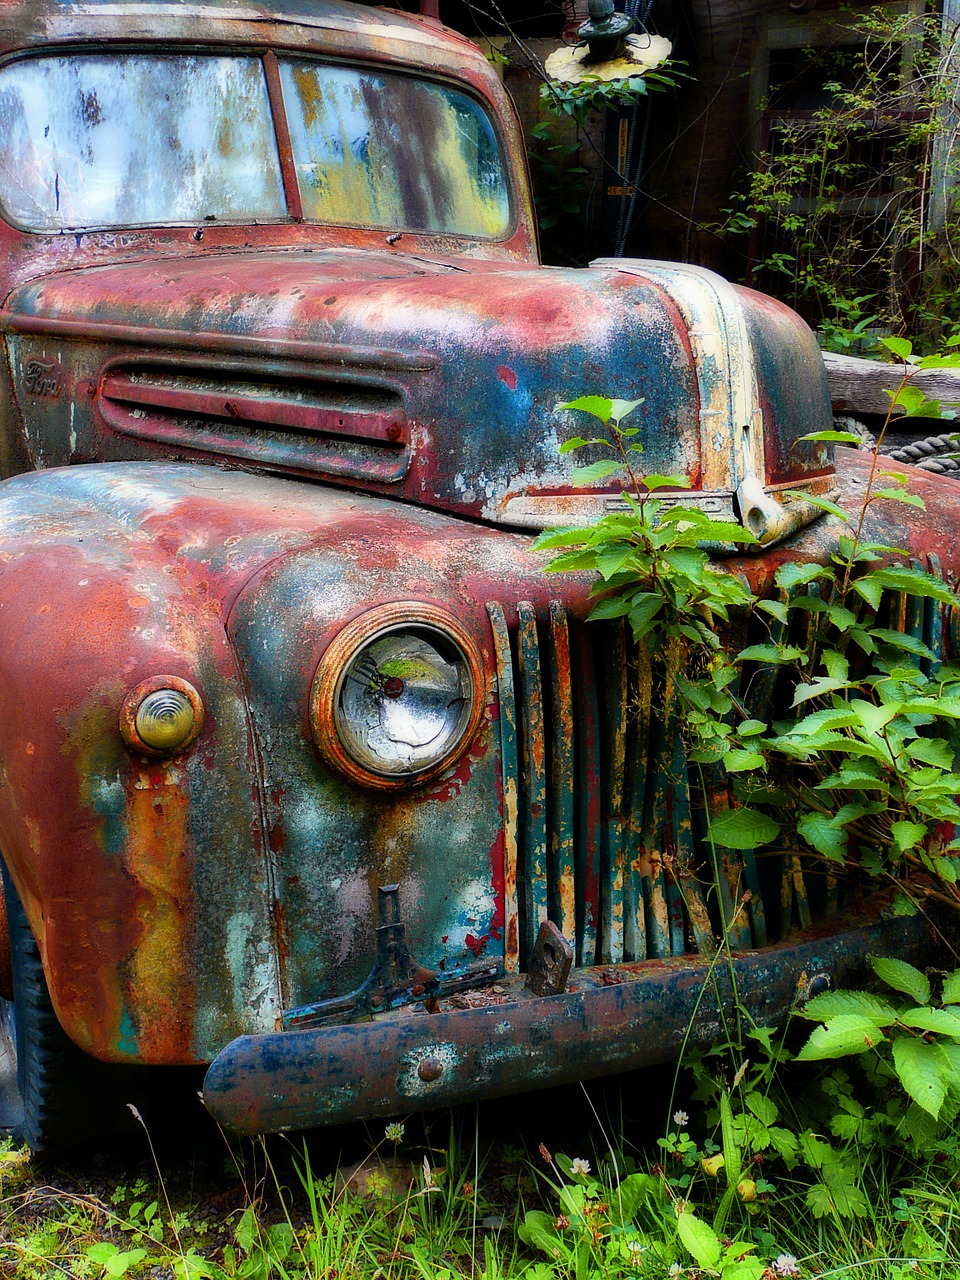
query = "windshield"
x=96 y=141
x=392 y=151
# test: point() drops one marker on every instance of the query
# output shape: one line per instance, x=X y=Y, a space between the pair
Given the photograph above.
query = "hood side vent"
x=302 y=424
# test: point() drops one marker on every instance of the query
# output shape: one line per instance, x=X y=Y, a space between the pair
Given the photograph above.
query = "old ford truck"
x=309 y=775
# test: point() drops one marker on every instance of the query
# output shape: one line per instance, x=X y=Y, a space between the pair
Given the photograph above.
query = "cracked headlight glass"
x=397 y=698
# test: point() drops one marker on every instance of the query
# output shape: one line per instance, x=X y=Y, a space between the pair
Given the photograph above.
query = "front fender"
x=144 y=881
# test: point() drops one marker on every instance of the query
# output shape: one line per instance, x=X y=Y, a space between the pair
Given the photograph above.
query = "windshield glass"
x=94 y=141
x=134 y=139
x=391 y=151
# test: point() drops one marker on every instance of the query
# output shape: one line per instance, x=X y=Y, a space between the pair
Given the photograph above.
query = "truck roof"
x=337 y=25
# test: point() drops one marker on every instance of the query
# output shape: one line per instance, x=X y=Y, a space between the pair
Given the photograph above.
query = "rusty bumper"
x=610 y=1019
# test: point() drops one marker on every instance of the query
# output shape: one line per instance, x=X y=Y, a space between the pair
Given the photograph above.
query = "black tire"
x=67 y=1097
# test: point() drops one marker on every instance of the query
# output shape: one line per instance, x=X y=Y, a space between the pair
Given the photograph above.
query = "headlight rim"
x=355 y=635
x=131 y=705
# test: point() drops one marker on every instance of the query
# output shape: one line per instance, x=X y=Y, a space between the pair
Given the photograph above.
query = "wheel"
x=66 y=1097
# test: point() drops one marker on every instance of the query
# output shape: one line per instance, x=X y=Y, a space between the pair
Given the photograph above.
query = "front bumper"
x=611 y=1018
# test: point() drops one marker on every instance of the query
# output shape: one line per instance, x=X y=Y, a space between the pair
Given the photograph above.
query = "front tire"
x=66 y=1097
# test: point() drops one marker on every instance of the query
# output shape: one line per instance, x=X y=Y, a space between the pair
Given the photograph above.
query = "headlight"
x=161 y=716
x=398 y=695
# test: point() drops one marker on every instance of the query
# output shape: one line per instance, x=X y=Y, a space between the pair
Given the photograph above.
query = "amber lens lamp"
x=161 y=716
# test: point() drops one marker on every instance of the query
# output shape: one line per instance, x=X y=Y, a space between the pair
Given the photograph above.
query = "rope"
x=868 y=440
x=925 y=455
x=924 y=452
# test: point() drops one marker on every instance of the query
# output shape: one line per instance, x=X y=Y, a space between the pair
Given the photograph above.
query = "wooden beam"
x=859 y=386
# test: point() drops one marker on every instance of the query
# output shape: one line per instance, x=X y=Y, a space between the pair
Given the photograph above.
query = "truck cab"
x=309 y=775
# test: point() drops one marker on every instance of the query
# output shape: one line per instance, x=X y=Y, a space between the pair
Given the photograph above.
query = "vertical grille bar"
x=639 y=932
x=613 y=903
x=933 y=622
x=914 y=611
x=724 y=863
x=655 y=819
x=510 y=783
x=533 y=812
x=587 y=807
x=561 y=775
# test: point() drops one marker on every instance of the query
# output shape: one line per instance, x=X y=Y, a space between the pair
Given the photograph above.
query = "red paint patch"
x=507 y=377
x=476 y=945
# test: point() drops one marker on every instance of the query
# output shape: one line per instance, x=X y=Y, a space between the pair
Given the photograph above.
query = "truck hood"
x=437 y=381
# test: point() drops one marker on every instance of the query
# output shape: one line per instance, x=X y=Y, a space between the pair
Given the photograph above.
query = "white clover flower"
x=785 y=1265
x=681 y=1119
x=579 y=1166
x=393 y=1132
x=675 y=1270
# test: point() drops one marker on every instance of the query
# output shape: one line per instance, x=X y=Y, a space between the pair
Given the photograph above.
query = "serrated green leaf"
x=914 y=582
x=654 y=482
x=743 y=828
x=921 y=1068
x=951 y=988
x=832 y=437
x=573 y=561
x=933 y=751
x=872 y=592
x=901 y=347
x=816 y=688
x=823 y=835
x=738 y=760
x=774 y=654
x=898 y=640
x=902 y=976
x=597 y=406
x=699 y=1239
x=818 y=1201
x=901 y=495
x=610 y=607
x=751 y=727
x=595 y=472
x=620 y=409
x=817 y=500
x=845 y=1127
x=644 y=607
x=792 y=574
x=776 y=608
x=851 y=778
x=907 y=835
x=783 y=1141
x=872 y=717
x=762 y=1107
x=560 y=538
x=820 y=720
x=846 y=1034
x=612 y=560
x=944 y=1022
x=833 y=1004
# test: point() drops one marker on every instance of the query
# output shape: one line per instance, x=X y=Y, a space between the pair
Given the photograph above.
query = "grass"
x=486 y=1192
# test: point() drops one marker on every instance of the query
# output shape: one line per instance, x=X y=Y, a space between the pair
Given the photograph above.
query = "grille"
x=605 y=818
x=302 y=423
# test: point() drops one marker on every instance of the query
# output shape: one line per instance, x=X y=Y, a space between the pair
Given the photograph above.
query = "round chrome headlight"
x=161 y=716
x=397 y=696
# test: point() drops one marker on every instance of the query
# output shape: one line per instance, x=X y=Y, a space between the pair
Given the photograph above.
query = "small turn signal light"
x=161 y=716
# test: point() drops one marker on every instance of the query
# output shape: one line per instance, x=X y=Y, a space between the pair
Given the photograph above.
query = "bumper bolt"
x=430 y=1069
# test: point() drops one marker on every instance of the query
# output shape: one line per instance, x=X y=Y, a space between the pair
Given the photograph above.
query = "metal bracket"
x=395 y=978
x=550 y=962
